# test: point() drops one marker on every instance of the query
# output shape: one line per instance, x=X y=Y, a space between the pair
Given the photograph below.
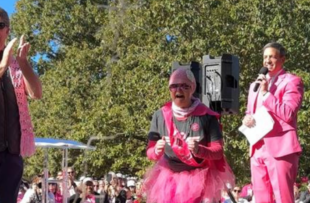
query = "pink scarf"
x=178 y=144
x=27 y=146
x=181 y=112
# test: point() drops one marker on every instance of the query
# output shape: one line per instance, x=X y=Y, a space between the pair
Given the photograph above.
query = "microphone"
x=263 y=71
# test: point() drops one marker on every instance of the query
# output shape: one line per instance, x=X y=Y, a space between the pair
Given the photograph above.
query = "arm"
x=248 y=119
x=212 y=152
x=156 y=144
x=291 y=100
x=150 y=152
x=214 y=149
x=32 y=82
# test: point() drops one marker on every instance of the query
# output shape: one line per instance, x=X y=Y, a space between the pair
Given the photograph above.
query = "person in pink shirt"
x=186 y=141
x=53 y=188
x=247 y=192
x=274 y=159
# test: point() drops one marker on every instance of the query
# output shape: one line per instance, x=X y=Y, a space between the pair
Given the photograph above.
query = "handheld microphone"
x=263 y=71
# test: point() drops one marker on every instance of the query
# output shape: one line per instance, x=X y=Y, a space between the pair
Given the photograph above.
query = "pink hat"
x=182 y=75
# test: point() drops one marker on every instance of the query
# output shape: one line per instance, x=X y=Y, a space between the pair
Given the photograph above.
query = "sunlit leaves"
x=109 y=70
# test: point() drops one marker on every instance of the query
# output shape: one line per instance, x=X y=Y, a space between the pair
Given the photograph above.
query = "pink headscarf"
x=182 y=75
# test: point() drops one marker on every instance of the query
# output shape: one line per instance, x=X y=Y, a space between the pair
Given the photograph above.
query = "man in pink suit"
x=274 y=159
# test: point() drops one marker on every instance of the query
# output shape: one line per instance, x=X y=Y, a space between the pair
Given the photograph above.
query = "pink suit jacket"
x=283 y=102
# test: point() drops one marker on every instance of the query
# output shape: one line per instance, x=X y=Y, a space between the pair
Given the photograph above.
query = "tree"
x=107 y=64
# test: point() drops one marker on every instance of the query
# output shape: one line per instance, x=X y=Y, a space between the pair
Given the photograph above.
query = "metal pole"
x=65 y=175
x=45 y=177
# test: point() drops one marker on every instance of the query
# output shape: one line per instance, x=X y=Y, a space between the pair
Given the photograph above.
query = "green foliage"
x=107 y=65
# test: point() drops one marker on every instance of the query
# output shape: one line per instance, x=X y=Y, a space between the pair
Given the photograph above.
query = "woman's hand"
x=7 y=54
x=192 y=143
x=160 y=146
x=23 y=49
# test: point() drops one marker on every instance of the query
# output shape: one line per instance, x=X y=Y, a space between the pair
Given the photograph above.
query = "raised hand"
x=7 y=53
x=23 y=49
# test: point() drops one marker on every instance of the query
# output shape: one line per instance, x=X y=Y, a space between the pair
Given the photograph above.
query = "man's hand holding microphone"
x=263 y=83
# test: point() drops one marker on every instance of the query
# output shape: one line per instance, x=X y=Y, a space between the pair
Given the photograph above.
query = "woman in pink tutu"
x=186 y=142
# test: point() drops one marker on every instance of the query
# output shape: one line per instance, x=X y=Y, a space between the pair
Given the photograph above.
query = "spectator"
x=71 y=184
x=124 y=196
x=53 y=188
x=236 y=194
x=96 y=185
x=88 y=195
x=103 y=190
x=34 y=194
x=132 y=187
x=102 y=187
x=59 y=175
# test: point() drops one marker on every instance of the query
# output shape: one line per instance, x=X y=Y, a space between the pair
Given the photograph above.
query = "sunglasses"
x=2 y=25
x=183 y=86
x=238 y=191
x=70 y=172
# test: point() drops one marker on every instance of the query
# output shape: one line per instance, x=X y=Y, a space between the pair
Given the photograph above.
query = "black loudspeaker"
x=195 y=68
x=220 y=83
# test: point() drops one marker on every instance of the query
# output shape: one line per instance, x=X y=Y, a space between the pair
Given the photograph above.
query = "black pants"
x=11 y=172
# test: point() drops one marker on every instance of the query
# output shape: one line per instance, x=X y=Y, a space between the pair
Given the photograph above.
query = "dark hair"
x=122 y=197
x=276 y=46
x=5 y=17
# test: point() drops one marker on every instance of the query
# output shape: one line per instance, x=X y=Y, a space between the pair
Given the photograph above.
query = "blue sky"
x=8 y=5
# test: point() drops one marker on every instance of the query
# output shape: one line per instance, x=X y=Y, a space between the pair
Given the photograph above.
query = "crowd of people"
x=113 y=188
x=245 y=194
x=116 y=188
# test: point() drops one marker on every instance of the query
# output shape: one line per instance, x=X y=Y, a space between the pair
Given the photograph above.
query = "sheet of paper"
x=264 y=124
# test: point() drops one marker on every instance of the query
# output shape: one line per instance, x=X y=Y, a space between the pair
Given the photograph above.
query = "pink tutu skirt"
x=161 y=185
